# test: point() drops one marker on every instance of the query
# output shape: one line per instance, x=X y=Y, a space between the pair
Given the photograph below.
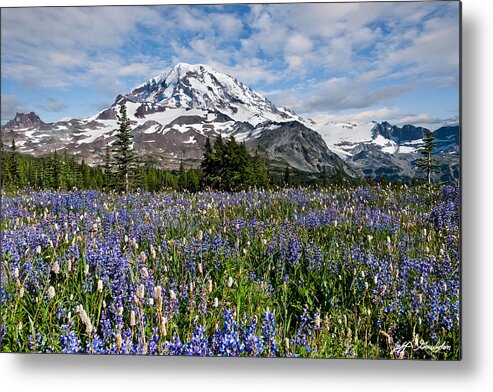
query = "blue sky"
x=331 y=62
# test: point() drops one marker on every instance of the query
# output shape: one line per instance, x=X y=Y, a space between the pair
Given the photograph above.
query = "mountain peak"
x=24 y=120
x=185 y=67
x=200 y=86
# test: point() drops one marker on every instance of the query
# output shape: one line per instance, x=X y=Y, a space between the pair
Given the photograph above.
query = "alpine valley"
x=172 y=115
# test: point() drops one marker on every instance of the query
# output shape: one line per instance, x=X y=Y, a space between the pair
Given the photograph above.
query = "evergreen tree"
x=4 y=172
x=324 y=178
x=124 y=154
x=287 y=177
x=14 y=165
x=427 y=162
x=219 y=163
x=86 y=175
x=229 y=166
x=208 y=165
x=107 y=168
x=192 y=180
x=261 y=174
x=55 y=161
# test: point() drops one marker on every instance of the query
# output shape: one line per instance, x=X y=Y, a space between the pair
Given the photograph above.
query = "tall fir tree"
x=182 y=179
x=208 y=165
x=228 y=166
x=14 y=165
x=108 y=168
x=287 y=177
x=124 y=153
x=427 y=162
x=261 y=172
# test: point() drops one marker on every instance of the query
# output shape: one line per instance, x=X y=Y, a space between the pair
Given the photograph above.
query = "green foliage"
x=228 y=166
x=427 y=162
x=124 y=155
x=287 y=177
x=14 y=163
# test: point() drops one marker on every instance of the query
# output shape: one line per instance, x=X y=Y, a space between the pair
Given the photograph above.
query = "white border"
x=44 y=372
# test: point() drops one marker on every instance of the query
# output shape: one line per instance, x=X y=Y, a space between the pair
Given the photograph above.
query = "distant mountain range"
x=172 y=115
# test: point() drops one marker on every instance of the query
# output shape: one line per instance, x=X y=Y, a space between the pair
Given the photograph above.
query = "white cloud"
x=10 y=106
x=380 y=114
x=61 y=46
x=336 y=94
x=298 y=44
x=424 y=119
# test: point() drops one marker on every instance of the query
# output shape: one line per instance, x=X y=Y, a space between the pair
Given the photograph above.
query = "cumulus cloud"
x=425 y=118
x=335 y=94
x=10 y=106
x=62 y=46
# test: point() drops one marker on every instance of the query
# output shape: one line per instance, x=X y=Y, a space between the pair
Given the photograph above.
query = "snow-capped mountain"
x=202 y=87
x=173 y=114
x=386 y=150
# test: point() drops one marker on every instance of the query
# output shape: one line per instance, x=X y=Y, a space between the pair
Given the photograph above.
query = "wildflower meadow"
x=344 y=271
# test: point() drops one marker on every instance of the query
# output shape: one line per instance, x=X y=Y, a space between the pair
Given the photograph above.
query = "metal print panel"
x=264 y=180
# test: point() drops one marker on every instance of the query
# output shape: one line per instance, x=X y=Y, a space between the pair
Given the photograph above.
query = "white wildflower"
x=51 y=292
x=140 y=292
x=143 y=257
x=158 y=293
x=119 y=342
x=163 y=325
